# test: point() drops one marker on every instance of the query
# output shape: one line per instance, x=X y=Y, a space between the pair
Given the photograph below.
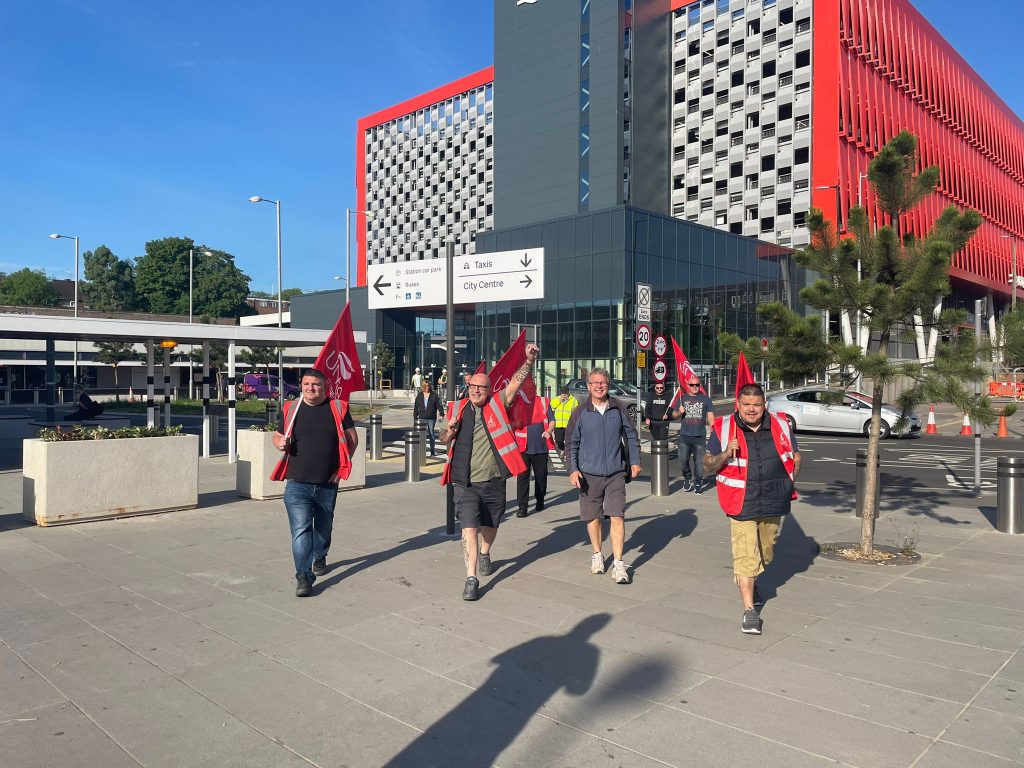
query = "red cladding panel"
x=409 y=106
x=896 y=72
x=825 y=100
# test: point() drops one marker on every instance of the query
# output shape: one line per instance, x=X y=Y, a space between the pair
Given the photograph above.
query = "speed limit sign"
x=643 y=336
x=660 y=370
x=660 y=345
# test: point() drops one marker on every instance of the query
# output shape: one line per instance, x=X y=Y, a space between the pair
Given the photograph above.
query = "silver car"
x=823 y=409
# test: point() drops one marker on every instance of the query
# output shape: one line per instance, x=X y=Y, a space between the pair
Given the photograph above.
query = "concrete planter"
x=257 y=458
x=72 y=482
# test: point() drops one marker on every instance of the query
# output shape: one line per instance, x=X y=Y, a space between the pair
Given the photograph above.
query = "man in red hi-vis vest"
x=483 y=455
x=755 y=456
x=318 y=440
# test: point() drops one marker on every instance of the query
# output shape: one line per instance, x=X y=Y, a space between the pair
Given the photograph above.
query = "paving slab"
x=988 y=731
x=943 y=755
x=59 y=735
x=24 y=689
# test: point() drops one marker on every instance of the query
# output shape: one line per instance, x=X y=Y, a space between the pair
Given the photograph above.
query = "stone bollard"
x=376 y=437
x=412 y=456
x=659 y=468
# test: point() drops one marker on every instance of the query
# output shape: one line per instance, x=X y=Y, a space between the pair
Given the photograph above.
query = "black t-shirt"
x=314 y=448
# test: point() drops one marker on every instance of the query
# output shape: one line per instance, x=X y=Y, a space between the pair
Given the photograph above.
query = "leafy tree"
x=899 y=282
x=113 y=353
x=385 y=357
x=161 y=279
x=286 y=295
x=259 y=356
x=110 y=281
x=28 y=288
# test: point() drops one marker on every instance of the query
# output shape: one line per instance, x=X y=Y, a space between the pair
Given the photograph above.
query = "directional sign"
x=660 y=370
x=643 y=336
x=500 y=276
x=406 y=284
x=660 y=345
x=641 y=359
x=643 y=302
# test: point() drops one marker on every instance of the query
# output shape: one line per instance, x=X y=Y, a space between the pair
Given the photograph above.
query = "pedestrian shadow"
x=569 y=534
x=355 y=565
x=478 y=729
x=794 y=553
x=654 y=535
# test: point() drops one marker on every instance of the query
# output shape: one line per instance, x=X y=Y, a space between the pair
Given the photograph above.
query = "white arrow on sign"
x=406 y=284
x=500 y=276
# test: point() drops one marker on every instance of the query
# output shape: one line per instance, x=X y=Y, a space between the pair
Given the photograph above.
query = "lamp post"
x=280 y=316
x=55 y=236
x=839 y=204
x=1013 y=274
x=348 y=246
x=191 y=283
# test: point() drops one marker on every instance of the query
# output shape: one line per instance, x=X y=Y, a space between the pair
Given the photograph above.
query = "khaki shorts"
x=753 y=544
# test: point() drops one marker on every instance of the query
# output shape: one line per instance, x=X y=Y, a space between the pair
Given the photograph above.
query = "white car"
x=823 y=409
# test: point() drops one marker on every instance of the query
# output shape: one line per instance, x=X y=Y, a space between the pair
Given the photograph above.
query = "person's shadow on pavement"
x=490 y=718
x=649 y=539
x=357 y=564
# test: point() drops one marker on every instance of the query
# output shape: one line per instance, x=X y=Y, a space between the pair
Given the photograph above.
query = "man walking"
x=427 y=408
x=317 y=443
x=696 y=414
x=756 y=457
x=563 y=406
x=657 y=413
x=603 y=450
x=534 y=441
x=417 y=380
x=482 y=457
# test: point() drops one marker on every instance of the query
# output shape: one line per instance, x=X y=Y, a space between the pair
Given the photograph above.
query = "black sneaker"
x=698 y=489
x=320 y=566
x=687 y=485
x=483 y=565
x=522 y=513
x=540 y=506
x=758 y=600
x=471 y=592
x=303 y=587
x=751 y=623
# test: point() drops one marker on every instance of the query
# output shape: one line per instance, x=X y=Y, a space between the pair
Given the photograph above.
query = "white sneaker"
x=597 y=563
x=619 y=573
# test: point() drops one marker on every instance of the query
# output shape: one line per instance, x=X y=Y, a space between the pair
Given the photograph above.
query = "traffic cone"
x=931 y=429
x=965 y=430
x=1002 y=431
x=131 y=395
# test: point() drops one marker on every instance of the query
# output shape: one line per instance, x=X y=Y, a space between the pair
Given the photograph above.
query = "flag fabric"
x=338 y=361
x=743 y=375
x=522 y=410
x=683 y=371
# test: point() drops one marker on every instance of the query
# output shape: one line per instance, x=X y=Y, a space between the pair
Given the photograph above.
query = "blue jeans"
x=431 y=425
x=695 y=447
x=311 y=517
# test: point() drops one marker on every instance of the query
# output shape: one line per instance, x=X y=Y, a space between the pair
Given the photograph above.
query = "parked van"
x=264 y=387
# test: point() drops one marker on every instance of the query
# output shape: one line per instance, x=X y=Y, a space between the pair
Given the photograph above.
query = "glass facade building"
x=704 y=281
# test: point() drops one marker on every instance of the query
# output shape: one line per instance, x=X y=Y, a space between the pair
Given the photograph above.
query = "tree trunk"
x=117 y=389
x=869 y=512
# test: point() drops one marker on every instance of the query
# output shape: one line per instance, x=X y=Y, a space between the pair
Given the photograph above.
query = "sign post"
x=764 y=350
x=643 y=338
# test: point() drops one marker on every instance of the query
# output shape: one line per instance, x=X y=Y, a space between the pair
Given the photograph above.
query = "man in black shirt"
x=657 y=414
x=318 y=440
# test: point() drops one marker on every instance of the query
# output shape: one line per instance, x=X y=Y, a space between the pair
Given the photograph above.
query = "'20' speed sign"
x=660 y=370
x=643 y=336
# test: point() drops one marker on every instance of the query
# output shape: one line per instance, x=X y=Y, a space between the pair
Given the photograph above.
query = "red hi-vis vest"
x=338 y=409
x=497 y=425
x=540 y=414
x=732 y=478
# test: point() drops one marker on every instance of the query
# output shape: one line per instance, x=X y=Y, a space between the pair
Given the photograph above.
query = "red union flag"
x=338 y=361
x=743 y=375
x=521 y=412
x=683 y=372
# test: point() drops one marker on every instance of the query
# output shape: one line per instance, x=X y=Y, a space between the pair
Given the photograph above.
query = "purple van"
x=264 y=387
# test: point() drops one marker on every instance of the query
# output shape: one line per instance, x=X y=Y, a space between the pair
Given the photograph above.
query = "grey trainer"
x=751 y=624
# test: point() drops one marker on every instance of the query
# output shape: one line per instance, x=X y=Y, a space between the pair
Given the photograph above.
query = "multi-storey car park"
x=651 y=141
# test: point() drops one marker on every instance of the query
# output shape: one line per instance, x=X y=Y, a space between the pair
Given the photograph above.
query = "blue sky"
x=130 y=120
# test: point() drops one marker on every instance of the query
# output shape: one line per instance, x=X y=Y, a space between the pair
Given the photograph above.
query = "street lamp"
x=280 y=323
x=1013 y=274
x=348 y=245
x=191 y=378
x=55 y=236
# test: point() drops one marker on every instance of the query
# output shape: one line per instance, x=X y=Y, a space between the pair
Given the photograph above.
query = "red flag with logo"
x=743 y=375
x=522 y=411
x=683 y=372
x=338 y=361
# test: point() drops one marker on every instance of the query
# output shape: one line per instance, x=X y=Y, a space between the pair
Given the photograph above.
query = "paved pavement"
x=175 y=640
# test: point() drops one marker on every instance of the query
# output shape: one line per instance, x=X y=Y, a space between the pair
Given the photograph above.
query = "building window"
x=705 y=204
x=801 y=156
x=802 y=123
x=803 y=59
x=735 y=197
